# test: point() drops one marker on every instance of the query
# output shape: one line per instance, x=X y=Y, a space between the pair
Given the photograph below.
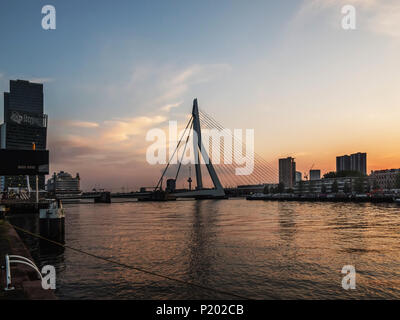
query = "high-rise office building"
x=25 y=125
x=315 y=174
x=358 y=162
x=354 y=162
x=298 y=176
x=343 y=163
x=287 y=172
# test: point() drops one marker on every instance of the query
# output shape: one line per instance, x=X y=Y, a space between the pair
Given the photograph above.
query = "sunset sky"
x=112 y=70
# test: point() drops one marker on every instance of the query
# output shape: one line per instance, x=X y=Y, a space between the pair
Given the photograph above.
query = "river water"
x=256 y=249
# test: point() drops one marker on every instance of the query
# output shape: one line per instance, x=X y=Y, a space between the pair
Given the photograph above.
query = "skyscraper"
x=287 y=172
x=343 y=163
x=358 y=162
x=24 y=124
x=298 y=176
x=354 y=162
x=315 y=174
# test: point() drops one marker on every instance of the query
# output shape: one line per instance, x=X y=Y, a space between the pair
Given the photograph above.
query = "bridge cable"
x=183 y=153
x=221 y=166
x=258 y=158
x=261 y=163
x=256 y=173
x=229 y=168
x=220 y=126
x=177 y=146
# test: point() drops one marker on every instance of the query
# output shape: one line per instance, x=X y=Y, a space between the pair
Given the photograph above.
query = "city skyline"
x=24 y=104
x=310 y=89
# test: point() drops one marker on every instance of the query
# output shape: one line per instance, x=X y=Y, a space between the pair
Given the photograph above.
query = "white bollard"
x=8 y=275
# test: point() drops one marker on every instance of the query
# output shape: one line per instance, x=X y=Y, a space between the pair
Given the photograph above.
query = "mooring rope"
x=129 y=266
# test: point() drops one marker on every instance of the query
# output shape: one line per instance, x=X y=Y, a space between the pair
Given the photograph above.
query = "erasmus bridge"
x=220 y=175
x=212 y=178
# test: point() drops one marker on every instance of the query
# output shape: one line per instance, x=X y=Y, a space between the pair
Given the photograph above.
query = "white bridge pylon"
x=200 y=192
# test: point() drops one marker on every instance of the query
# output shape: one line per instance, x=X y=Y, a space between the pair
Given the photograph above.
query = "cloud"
x=40 y=80
x=170 y=106
x=387 y=20
x=123 y=129
x=81 y=124
x=199 y=73
x=107 y=136
x=151 y=87
x=379 y=17
x=172 y=85
x=114 y=150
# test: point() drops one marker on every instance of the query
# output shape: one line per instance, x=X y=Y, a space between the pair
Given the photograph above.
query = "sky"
x=112 y=70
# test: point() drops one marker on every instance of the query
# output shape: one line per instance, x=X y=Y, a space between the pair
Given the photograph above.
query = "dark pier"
x=98 y=197
x=358 y=198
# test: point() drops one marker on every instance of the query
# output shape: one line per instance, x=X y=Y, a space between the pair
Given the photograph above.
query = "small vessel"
x=157 y=195
x=397 y=200
x=52 y=221
x=54 y=211
x=361 y=197
x=256 y=196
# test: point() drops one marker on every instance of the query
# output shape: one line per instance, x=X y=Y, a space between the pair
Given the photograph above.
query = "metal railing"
x=23 y=260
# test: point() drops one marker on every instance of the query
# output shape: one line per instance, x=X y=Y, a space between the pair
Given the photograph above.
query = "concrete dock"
x=24 y=279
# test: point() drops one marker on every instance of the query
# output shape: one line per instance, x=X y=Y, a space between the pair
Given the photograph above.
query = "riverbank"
x=24 y=279
x=325 y=198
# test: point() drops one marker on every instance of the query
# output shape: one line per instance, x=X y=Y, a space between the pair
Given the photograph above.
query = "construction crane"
x=306 y=173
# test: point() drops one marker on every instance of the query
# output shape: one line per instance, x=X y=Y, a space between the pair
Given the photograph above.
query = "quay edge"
x=24 y=279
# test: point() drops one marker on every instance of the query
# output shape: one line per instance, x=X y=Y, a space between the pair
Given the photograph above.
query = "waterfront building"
x=287 y=172
x=315 y=174
x=171 y=185
x=385 y=179
x=343 y=184
x=63 y=183
x=244 y=190
x=343 y=163
x=25 y=125
x=298 y=176
x=354 y=162
x=358 y=162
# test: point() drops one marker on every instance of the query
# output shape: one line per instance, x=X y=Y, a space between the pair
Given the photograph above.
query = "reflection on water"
x=262 y=250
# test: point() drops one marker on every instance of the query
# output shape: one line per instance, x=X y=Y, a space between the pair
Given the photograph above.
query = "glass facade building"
x=355 y=162
x=287 y=172
x=25 y=125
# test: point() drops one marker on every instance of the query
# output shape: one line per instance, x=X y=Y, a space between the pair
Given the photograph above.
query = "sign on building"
x=24 y=118
x=24 y=162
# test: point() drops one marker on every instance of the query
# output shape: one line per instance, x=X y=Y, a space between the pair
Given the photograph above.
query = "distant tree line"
x=343 y=174
x=280 y=188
